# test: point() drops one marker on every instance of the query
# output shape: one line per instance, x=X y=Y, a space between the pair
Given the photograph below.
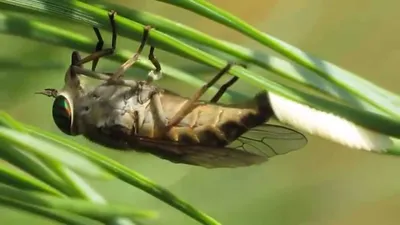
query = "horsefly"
x=137 y=115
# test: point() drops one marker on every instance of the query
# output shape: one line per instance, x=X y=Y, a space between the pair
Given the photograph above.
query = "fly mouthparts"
x=49 y=92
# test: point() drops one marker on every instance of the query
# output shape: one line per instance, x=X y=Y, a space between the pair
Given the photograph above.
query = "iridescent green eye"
x=63 y=114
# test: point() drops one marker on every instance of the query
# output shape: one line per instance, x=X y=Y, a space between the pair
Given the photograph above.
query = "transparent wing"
x=254 y=147
x=199 y=155
x=269 y=140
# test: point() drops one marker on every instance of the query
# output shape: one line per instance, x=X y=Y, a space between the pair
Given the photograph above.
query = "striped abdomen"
x=215 y=124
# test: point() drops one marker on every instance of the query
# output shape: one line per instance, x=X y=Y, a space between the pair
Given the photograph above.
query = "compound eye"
x=63 y=114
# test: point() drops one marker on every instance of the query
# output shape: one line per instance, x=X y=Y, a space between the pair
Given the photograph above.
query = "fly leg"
x=142 y=93
x=153 y=75
x=77 y=62
x=72 y=79
x=156 y=73
x=225 y=87
x=157 y=109
x=188 y=106
x=99 y=51
x=90 y=73
x=162 y=125
x=121 y=70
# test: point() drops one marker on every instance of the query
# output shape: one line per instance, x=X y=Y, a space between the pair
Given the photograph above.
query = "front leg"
x=99 y=51
x=103 y=76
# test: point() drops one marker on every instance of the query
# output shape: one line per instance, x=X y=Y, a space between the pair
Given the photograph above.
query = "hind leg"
x=187 y=107
x=225 y=87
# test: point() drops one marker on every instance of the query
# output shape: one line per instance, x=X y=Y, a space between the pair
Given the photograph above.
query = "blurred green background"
x=323 y=183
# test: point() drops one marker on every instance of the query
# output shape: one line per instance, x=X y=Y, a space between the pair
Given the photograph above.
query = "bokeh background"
x=323 y=183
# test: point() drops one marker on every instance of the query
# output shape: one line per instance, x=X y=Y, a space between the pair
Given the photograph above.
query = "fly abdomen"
x=236 y=121
x=211 y=135
x=262 y=113
x=202 y=135
x=232 y=129
x=183 y=135
x=219 y=125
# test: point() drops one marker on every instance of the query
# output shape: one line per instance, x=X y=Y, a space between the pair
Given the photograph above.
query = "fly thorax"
x=108 y=92
x=115 y=107
x=88 y=113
